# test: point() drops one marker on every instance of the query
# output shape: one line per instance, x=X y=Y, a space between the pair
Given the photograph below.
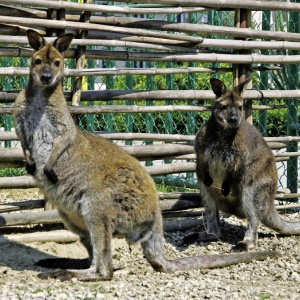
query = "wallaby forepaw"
x=208 y=181
x=240 y=247
x=225 y=189
x=51 y=175
x=30 y=167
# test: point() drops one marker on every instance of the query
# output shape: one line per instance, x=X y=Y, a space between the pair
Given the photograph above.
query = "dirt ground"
x=135 y=279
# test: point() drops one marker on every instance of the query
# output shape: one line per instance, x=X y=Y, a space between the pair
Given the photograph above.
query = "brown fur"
x=236 y=171
x=99 y=190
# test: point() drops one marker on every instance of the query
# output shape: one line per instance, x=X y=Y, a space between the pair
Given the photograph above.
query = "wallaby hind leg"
x=249 y=199
x=70 y=263
x=153 y=248
x=100 y=268
x=213 y=230
x=251 y=236
x=100 y=228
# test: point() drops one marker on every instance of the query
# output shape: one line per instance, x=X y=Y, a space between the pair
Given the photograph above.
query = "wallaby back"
x=99 y=190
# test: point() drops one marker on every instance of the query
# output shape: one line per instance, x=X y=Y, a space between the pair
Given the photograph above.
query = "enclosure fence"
x=138 y=73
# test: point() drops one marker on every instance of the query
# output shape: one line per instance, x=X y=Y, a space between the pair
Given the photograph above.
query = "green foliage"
x=173 y=123
x=12 y=172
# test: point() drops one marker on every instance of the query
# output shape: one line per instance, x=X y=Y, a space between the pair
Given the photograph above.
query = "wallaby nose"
x=233 y=120
x=46 y=77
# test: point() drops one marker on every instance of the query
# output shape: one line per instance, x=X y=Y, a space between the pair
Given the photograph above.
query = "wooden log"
x=52 y=216
x=277 y=145
x=65 y=236
x=11 y=154
x=158 y=151
x=138 y=95
x=203 y=29
x=280 y=196
x=163 y=25
x=144 y=152
x=222 y=4
x=109 y=9
x=183 y=214
x=175 y=205
x=15 y=71
x=18 y=11
x=8 y=136
x=166 y=57
x=196 y=196
x=282 y=140
x=247 y=33
x=58 y=236
x=190 y=57
x=32 y=22
x=289 y=206
x=23 y=205
x=12 y=136
x=181 y=226
x=172 y=168
x=79 y=110
x=108 y=35
x=161 y=45
x=144 y=136
x=29 y=218
x=179 y=196
x=18 y=182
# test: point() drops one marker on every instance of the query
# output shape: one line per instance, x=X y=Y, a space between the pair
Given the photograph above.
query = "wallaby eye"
x=57 y=63
x=222 y=106
x=241 y=107
x=38 y=61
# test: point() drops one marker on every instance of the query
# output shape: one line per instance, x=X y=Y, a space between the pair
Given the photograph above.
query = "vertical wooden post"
x=80 y=58
x=243 y=71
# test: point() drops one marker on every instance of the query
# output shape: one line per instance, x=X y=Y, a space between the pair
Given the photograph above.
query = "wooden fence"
x=114 y=34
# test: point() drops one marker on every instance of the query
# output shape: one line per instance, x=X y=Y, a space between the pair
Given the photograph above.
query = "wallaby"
x=236 y=171
x=99 y=190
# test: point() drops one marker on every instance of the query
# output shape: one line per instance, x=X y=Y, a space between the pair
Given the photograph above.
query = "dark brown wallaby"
x=236 y=171
x=99 y=190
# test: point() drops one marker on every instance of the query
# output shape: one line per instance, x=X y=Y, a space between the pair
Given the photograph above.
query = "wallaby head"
x=47 y=63
x=228 y=109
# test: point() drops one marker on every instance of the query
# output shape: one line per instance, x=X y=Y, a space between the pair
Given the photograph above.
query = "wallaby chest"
x=41 y=128
x=220 y=160
x=220 y=155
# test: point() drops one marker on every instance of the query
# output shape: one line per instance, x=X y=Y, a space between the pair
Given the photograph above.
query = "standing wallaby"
x=236 y=171
x=99 y=190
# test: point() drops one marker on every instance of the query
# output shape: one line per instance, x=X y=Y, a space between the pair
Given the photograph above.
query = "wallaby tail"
x=217 y=261
x=274 y=221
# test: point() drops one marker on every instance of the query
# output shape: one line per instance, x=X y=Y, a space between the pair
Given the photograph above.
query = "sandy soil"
x=270 y=279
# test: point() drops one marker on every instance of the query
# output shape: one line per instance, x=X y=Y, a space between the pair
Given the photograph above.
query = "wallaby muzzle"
x=46 y=76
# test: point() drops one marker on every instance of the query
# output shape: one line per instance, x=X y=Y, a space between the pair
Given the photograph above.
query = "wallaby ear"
x=218 y=87
x=63 y=42
x=35 y=40
x=240 y=87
